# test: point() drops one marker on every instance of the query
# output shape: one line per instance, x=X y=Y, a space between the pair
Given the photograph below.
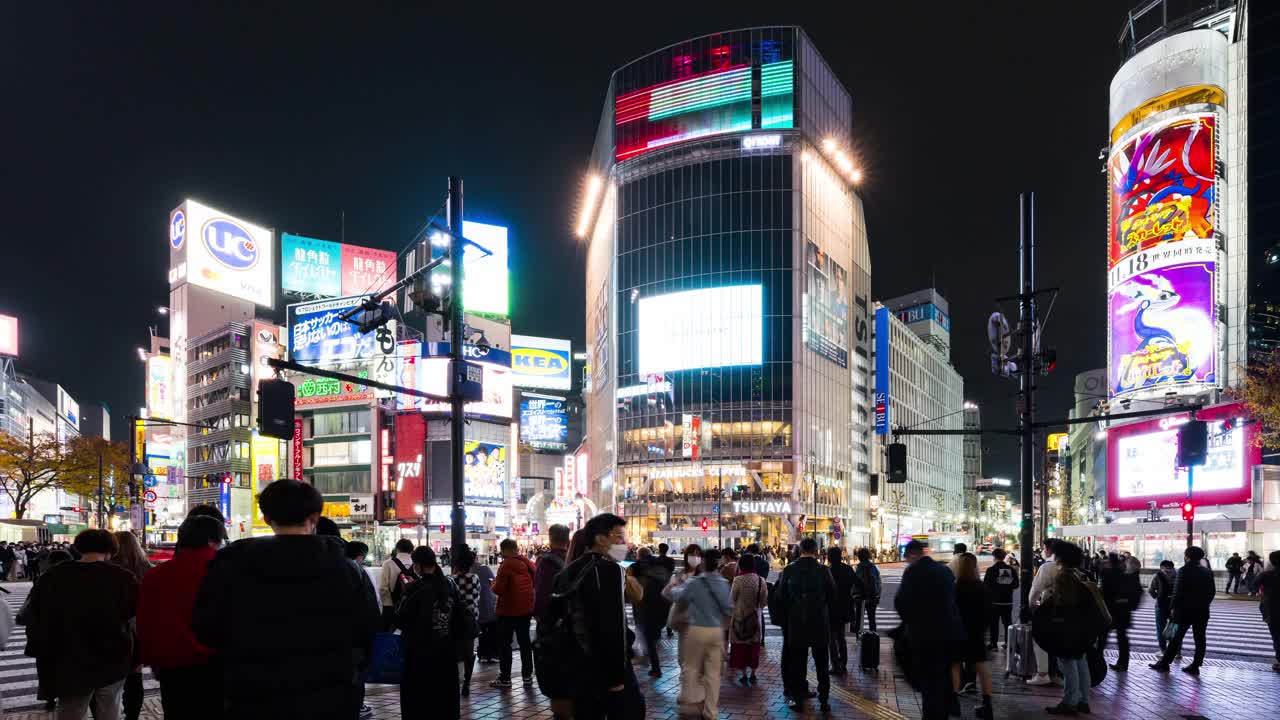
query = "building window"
x=342 y=482
x=341 y=453
x=347 y=422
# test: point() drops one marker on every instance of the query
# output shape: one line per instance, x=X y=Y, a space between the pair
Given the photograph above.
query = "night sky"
x=290 y=118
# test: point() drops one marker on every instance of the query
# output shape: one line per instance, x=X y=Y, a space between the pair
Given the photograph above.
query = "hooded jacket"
x=291 y=619
x=165 y=601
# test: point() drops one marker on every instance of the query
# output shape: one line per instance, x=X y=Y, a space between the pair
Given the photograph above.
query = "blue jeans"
x=1075 y=679
x=1162 y=619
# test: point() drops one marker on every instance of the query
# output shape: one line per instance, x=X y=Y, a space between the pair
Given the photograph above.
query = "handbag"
x=1170 y=631
x=678 y=617
x=386 y=662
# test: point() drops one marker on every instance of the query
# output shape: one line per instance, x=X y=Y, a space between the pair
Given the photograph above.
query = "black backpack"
x=562 y=645
x=405 y=578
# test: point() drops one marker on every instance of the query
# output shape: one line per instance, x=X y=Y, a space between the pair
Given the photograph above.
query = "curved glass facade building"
x=728 y=293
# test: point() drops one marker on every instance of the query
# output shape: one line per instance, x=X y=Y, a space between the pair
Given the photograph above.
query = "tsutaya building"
x=727 y=293
x=1177 y=258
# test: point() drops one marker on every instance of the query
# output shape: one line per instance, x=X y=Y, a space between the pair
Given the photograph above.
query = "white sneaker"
x=1039 y=680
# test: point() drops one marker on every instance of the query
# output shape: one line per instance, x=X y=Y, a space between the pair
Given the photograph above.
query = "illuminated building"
x=728 y=296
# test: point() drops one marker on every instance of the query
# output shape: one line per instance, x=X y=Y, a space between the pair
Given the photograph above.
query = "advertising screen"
x=318 y=334
x=1141 y=461
x=485 y=277
x=715 y=89
x=714 y=327
x=216 y=251
x=826 y=307
x=410 y=475
x=159 y=378
x=538 y=362
x=429 y=372
x=1163 y=185
x=266 y=460
x=308 y=265
x=882 y=372
x=8 y=335
x=544 y=424
x=1163 y=325
x=484 y=471
x=366 y=270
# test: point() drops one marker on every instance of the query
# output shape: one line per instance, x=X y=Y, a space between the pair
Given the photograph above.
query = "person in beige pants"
x=706 y=598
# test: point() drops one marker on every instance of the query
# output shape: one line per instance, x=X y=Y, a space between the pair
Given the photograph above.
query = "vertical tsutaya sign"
x=159 y=396
x=8 y=335
x=297 y=448
x=882 y=371
x=211 y=249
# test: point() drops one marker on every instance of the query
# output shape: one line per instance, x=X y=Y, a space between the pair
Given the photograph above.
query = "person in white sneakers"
x=1042 y=582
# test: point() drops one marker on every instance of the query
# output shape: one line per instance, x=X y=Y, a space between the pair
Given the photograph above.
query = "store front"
x=1153 y=542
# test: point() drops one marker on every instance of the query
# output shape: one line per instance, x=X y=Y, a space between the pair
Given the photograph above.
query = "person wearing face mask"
x=692 y=568
x=297 y=652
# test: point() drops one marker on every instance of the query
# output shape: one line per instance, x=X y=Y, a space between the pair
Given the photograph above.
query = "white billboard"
x=713 y=327
x=216 y=251
x=538 y=362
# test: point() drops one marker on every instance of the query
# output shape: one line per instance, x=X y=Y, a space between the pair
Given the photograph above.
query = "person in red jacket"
x=182 y=665
x=514 y=588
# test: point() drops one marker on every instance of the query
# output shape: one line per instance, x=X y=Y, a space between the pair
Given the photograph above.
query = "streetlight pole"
x=458 y=516
x=719 y=502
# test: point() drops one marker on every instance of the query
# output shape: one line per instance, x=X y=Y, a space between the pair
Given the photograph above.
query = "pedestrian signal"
x=275 y=409
x=897 y=463
x=1188 y=511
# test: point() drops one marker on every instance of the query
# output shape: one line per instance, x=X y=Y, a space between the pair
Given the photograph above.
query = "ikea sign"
x=538 y=362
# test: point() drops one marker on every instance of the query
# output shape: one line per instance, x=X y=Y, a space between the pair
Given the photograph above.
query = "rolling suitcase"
x=869 y=651
x=1020 y=656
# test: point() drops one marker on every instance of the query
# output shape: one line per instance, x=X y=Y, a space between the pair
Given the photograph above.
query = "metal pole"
x=719 y=502
x=1026 y=388
x=458 y=516
x=1191 y=470
x=101 y=494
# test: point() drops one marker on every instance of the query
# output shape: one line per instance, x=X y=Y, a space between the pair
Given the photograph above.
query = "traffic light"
x=897 y=463
x=1046 y=361
x=442 y=527
x=226 y=479
x=374 y=315
x=275 y=408
x=705 y=524
x=427 y=292
x=1188 y=510
x=1193 y=443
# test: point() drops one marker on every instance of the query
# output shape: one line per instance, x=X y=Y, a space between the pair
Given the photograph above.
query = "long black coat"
x=430 y=684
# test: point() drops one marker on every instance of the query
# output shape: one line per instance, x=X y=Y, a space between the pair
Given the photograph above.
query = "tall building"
x=917 y=387
x=1086 y=455
x=972 y=445
x=727 y=294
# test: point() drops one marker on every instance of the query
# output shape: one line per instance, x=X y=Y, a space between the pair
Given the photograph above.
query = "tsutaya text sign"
x=775 y=507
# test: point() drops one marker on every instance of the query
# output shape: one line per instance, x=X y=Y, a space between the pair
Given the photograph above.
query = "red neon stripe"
x=635 y=104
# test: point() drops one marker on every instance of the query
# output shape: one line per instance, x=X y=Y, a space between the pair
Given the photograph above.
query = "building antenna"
x=342 y=222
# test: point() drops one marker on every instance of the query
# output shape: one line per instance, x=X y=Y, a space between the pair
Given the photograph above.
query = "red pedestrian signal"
x=1188 y=511
x=442 y=527
x=705 y=524
x=226 y=479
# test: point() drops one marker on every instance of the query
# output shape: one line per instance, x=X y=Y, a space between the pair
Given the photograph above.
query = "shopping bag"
x=386 y=666
x=1170 y=631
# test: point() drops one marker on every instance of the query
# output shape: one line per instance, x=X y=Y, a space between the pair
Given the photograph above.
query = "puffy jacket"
x=165 y=601
x=291 y=619
x=1193 y=590
x=514 y=587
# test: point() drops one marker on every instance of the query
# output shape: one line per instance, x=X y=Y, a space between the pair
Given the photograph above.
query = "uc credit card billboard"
x=538 y=362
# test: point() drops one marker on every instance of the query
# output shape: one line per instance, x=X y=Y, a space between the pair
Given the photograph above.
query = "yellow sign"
x=266 y=468
x=139 y=439
x=335 y=510
x=1057 y=441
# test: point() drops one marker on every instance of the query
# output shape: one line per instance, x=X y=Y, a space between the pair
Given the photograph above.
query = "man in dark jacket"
x=289 y=616
x=1161 y=590
x=840 y=609
x=1193 y=590
x=549 y=564
x=1001 y=580
x=926 y=601
x=1235 y=570
x=78 y=629
x=667 y=563
x=426 y=618
x=652 y=610
x=807 y=592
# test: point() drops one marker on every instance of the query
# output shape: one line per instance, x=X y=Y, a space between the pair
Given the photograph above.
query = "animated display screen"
x=544 y=422
x=826 y=308
x=1162 y=328
x=710 y=89
x=484 y=471
x=715 y=327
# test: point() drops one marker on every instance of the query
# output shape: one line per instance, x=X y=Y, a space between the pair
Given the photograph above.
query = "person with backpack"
x=1161 y=590
x=705 y=600
x=1193 y=590
x=584 y=643
x=841 y=609
x=394 y=579
x=1067 y=623
x=1252 y=571
x=1121 y=591
x=749 y=595
x=1235 y=571
x=428 y=619
x=514 y=588
x=549 y=564
x=1001 y=580
x=866 y=592
x=487 y=644
x=652 y=610
x=807 y=592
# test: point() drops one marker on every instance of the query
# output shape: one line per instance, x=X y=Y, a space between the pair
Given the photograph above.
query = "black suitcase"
x=869 y=651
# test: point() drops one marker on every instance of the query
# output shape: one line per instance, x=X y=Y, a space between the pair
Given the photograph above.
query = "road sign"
x=151 y=481
x=150 y=496
x=715 y=508
x=119 y=508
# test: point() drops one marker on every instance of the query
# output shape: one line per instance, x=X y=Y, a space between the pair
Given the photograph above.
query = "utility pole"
x=719 y=514
x=1191 y=519
x=1026 y=390
x=101 y=497
x=458 y=517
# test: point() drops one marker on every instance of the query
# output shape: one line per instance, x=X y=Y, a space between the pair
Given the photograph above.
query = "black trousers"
x=487 y=647
x=795 y=675
x=186 y=692
x=1274 y=627
x=936 y=693
x=870 y=607
x=838 y=646
x=1233 y=579
x=652 y=632
x=132 y=696
x=1122 y=643
x=626 y=704
x=1198 y=625
x=519 y=626
x=1000 y=614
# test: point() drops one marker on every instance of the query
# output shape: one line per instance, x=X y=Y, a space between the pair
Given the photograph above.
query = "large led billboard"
x=1142 y=459
x=366 y=270
x=485 y=278
x=1163 y=328
x=211 y=249
x=330 y=269
x=484 y=471
x=160 y=387
x=318 y=334
x=8 y=335
x=427 y=369
x=712 y=327
x=826 y=306
x=538 y=362
x=544 y=423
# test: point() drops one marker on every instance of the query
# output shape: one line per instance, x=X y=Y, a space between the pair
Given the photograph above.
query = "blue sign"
x=230 y=244
x=544 y=424
x=177 y=229
x=224 y=500
x=308 y=265
x=538 y=362
x=150 y=481
x=882 y=371
x=922 y=312
x=119 y=508
x=319 y=335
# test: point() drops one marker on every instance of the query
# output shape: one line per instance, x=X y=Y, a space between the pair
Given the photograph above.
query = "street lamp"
x=421 y=511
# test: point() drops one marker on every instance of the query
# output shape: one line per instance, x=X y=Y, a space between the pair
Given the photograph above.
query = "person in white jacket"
x=396 y=565
x=1042 y=582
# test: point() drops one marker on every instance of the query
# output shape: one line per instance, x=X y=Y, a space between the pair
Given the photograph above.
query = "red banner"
x=297 y=448
x=411 y=431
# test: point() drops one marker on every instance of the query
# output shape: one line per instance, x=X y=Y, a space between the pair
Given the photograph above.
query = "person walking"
x=1122 y=592
x=1042 y=581
x=180 y=663
x=973 y=602
x=866 y=592
x=394 y=578
x=80 y=629
x=487 y=644
x=1193 y=591
x=1252 y=570
x=1235 y=571
x=1001 y=580
x=514 y=588
x=43 y=689
x=426 y=618
x=706 y=599
x=807 y=592
x=468 y=586
x=1067 y=623
x=1269 y=603
x=132 y=558
x=549 y=564
x=926 y=602
x=749 y=596
x=652 y=610
x=841 y=609
x=1161 y=590
x=667 y=563
x=313 y=620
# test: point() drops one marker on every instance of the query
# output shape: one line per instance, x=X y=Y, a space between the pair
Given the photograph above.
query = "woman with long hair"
x=749 y=595
x=973 y=600
x=133 y=558
x=469 y=595
x=1121 y=591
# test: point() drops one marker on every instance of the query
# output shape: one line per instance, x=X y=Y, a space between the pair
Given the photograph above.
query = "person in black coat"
x=841 y=609
x=1193 y=591
x=973 y=602
x=651 y=612
x=426 y=620
x=1121 y=591
x=1001 y=580
x=806 y=591
x=926 y=602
